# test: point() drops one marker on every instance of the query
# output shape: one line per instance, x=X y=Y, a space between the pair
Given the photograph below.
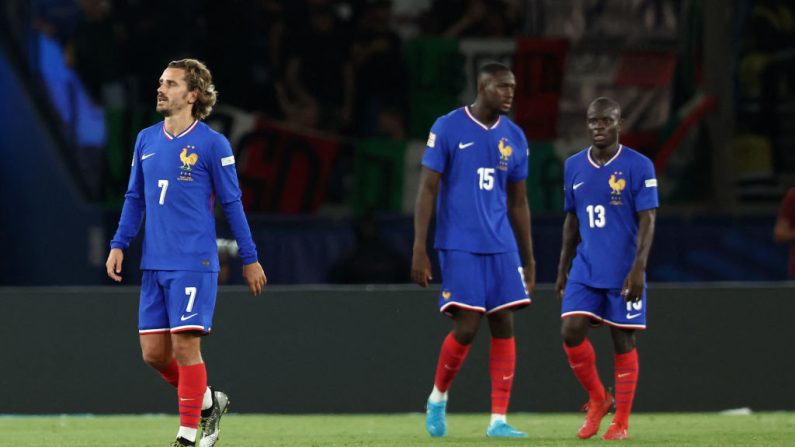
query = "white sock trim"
x=497 y=417
x=437 y=396
x=207 y=400
x=187 y=433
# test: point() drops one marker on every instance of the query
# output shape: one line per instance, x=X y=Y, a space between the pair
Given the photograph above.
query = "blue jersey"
x=476 y=163
x=174 y=182
x=606 y=200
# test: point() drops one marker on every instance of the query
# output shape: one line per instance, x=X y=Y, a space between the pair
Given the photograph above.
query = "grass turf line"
x=393 y=430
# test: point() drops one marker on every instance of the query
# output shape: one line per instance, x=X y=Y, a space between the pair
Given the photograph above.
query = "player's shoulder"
x=151 y=131
x=216 y=139
x=450 y=119
x=581 y=156
x=635 y=156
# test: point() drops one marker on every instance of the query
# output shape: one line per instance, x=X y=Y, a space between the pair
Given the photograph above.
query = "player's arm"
x=132 y=215
x=568 y=248
x=636 y=280
x=225 y=184
x=519 y=215
x=784 y=231
x=423 y=211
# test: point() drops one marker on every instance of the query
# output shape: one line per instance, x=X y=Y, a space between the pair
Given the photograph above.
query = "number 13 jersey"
x=606 y=200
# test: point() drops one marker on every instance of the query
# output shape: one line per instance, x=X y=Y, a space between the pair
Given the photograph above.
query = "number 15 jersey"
x=606 y=200
x=476 y=163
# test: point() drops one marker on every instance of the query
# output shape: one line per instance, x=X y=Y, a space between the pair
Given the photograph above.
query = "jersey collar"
x=182 y=134
x=485 y=127
x=596 y=165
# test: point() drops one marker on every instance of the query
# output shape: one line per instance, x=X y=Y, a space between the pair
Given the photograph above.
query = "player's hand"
x=529 y=274
x=634 y=284
x=113 y=264
x=421 y=268
x=254 y=277
x=560 y=285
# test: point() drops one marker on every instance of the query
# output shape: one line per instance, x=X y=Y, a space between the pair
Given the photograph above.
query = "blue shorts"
x=176 y=301
x=604 y=306
x=484 y=283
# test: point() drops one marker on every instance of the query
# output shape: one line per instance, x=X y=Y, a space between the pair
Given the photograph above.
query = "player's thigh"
x=623 y=313
x=462 y=281
x=505 y=279
x=190 y=298
x=580 y=299
x=152 y=308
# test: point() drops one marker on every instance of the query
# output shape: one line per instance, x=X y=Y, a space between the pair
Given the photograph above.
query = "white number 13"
x=596 y=216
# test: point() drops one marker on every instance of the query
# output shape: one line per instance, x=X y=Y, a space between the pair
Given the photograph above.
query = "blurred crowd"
x=330 y=65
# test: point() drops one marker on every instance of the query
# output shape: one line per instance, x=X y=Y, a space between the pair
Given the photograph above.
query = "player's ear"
x=193 y=95
x=620 y=124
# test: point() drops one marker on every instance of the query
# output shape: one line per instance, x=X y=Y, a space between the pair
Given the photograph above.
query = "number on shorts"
x=191 y=291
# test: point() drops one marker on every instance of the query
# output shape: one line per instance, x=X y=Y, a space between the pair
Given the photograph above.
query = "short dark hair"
x=493 y=68
x=605 y=103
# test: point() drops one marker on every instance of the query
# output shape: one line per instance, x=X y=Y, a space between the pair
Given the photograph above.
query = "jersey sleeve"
x=519 y=171
x=436 y=150
x=227 y=189
x=568 y=192
x=644 y=186
x=787 y=210
x=132 y=212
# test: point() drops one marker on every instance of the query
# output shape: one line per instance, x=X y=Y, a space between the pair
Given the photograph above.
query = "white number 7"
x=192 y=292
x=162 y=184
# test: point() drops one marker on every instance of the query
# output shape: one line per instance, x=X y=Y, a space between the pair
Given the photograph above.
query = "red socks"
x=171 y=373
x=451 y=358
x=190 y=391
x=626 y=376
x=582 y=361
x=502 y=364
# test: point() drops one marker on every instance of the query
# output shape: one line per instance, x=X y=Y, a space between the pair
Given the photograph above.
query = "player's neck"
x=176 y=124
x=484 y=115
x=604 y=154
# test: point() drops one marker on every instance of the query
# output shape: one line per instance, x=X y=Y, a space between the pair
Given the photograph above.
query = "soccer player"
x=610 y=202
x=179 y=167
x=784 y=230
x=476 y=162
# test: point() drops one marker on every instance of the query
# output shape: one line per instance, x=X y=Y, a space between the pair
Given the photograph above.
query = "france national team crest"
x=188 y=161
x=505 y=154
x=617 y=185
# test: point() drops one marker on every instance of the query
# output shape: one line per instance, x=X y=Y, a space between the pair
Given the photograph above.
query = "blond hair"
x=198 y=78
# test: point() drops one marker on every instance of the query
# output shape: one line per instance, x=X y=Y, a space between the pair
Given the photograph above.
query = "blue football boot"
x=502 y=429
x=436 y=418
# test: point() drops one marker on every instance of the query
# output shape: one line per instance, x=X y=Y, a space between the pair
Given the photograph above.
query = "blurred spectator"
x=372 y=261
x=93 y=50
x=317 y=89
x=475 y=18
x=380 y=74
x=250 y=51
x=784 y=231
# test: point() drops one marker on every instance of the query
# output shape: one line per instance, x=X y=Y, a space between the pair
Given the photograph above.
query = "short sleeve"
x=644 y=186
x=519 y=171
x=436 y=150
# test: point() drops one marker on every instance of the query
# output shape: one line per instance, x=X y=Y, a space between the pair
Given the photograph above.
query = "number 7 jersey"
x=174 y=181
x=606 y=200
x=476 y=163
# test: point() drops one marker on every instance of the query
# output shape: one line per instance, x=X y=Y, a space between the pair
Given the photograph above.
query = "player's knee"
x=157 y=360
x=465 y=335
x=572 y=334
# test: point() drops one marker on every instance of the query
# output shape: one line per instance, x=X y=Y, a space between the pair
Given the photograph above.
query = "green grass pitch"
x=650 y=429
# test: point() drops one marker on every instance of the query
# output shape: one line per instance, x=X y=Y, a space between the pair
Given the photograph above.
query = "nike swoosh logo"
x=630 y=316
x=183 y=399
x=183 y=318
x=447 y=367
x=507 y=377
x=145 y=156
x=623 y=375
x=577 y=185
x=464 y=146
